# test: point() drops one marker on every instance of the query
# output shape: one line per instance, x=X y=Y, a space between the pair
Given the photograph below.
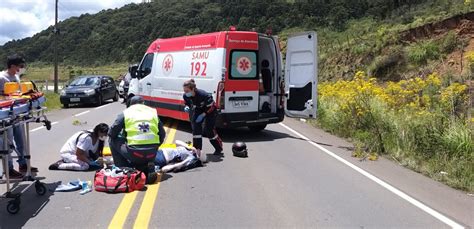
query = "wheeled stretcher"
x=19 y=110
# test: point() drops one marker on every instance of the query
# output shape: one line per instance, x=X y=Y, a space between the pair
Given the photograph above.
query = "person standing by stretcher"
x=16 y=66
x=202 y=109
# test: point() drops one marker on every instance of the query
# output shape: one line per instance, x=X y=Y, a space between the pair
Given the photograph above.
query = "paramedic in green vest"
x=135 y=137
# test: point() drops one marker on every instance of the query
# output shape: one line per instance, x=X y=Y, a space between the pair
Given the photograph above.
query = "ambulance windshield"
x=147 y=64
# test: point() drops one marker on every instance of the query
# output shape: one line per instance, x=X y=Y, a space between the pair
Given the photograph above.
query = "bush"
x=382 y=65
x=409 y=120
x=449 y=42
x=419 y=53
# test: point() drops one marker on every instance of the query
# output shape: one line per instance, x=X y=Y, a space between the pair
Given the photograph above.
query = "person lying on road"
x=82 y=149
x=177 y=159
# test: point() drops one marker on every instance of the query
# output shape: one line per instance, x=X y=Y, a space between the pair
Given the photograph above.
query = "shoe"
x=23 y=169
x=15 y=174
x=218 y=153
x=55 y=165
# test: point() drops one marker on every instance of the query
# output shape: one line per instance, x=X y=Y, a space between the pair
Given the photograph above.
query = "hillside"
x=365 y=32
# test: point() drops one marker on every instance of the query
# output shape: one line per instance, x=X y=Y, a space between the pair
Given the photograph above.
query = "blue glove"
x=200 y=118
x=187 y=109
x=94 y=164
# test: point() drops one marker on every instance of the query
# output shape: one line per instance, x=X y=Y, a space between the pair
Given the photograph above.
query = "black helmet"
x=239 y=149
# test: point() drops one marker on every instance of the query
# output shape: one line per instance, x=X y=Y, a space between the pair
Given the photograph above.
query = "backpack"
x=120 y=180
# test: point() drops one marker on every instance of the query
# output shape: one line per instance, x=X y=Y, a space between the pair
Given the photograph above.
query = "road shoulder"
x=448 y=201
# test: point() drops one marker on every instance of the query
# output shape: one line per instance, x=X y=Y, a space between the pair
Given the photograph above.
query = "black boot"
x=217 y=143
x=151 y=175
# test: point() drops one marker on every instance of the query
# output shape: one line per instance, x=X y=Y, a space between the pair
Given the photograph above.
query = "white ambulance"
x=243 y=70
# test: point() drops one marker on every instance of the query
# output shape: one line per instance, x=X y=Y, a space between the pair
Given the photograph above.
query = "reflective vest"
x=141 y=125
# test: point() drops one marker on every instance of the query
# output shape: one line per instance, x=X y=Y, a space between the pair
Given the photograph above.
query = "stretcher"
x=19 y=110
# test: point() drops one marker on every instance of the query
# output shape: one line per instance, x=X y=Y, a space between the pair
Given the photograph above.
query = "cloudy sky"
x=24 y=18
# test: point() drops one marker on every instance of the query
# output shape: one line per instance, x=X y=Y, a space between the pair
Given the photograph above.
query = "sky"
x=24 y=18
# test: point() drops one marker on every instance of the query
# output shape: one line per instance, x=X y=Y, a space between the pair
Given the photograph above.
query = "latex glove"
x=187 y=109
x=94 y=164
x=200 y=118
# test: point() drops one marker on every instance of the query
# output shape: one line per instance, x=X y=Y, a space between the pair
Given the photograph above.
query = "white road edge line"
x=42 y=127
x=387 y=186
x=97 y=108
x=82 y=113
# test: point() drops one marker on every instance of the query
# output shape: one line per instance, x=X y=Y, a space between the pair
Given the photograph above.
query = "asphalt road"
x=295 y=176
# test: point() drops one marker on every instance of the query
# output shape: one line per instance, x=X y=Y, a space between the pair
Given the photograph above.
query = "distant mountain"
x=122 y=35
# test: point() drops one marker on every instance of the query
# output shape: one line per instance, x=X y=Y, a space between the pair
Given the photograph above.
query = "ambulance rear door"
x=301 y=75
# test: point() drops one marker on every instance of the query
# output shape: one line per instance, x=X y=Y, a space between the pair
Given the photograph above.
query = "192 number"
x=196 y=68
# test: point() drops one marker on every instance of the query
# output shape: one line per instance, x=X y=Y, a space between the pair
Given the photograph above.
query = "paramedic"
x=135 y=136
x=201 y=107
x=82 y=149
x=16 y=66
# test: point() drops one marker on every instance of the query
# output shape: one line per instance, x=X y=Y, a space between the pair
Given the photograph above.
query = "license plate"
x=75 y=99
x=241 y=103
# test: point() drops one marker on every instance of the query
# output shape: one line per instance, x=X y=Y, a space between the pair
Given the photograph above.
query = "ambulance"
x=243 y=70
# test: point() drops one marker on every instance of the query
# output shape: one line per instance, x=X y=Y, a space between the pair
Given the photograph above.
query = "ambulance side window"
x=243 y=64
x=147 y=64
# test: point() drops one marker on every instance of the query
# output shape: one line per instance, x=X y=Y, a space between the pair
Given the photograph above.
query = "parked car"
x=89 y=89
x=124 y=84
x=121 y=89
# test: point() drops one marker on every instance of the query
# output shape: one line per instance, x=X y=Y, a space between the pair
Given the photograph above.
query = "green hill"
x=122 y=35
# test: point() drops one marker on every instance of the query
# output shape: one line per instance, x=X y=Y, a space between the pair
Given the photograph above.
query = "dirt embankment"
x=463 y=25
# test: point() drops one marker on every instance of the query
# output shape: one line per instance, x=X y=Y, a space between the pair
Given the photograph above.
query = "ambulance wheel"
x=257 y=128
x=40 y=188
x=117 y=96
x=13 y=207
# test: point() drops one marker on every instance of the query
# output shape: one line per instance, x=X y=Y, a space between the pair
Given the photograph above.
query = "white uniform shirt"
x=84 y=143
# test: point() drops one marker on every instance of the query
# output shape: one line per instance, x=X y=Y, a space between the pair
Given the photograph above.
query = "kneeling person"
x=135 y=137
x=82 y=149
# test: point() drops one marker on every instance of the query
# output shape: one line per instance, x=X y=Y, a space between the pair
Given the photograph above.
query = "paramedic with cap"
x=16 y=66
x=201 y=107
x=135 y=136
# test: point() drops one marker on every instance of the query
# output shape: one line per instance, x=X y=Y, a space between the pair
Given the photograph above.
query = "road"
x=295 y=176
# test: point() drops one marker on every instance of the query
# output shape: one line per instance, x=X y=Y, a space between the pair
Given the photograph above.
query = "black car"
x=91 y=89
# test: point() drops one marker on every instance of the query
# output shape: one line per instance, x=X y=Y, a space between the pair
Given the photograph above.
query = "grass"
x=42 y=72
x=52 y=101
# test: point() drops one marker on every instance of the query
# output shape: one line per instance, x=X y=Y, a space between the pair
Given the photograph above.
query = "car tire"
x=100 y=101
x=257 y=128
x=116 y=97
x=65 y=105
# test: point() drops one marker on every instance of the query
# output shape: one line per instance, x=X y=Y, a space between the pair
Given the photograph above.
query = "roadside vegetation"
x=422 y=123
x=52 y=101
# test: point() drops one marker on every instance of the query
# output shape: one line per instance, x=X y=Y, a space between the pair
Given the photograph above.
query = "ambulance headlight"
x=90 y=92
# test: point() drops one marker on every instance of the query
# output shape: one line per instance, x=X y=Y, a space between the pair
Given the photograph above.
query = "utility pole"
x=55 y=37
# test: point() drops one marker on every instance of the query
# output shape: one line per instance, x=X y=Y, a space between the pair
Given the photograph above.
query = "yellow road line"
x=124 y=208
x=122 y=212
x=144 y=215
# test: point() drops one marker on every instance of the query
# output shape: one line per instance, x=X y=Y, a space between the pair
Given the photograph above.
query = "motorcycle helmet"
x=239 y=149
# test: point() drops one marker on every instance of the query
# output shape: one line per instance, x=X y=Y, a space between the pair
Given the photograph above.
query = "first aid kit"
x=118 y=180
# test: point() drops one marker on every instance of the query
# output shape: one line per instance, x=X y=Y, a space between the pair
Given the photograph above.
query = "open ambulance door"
x=301 y=75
